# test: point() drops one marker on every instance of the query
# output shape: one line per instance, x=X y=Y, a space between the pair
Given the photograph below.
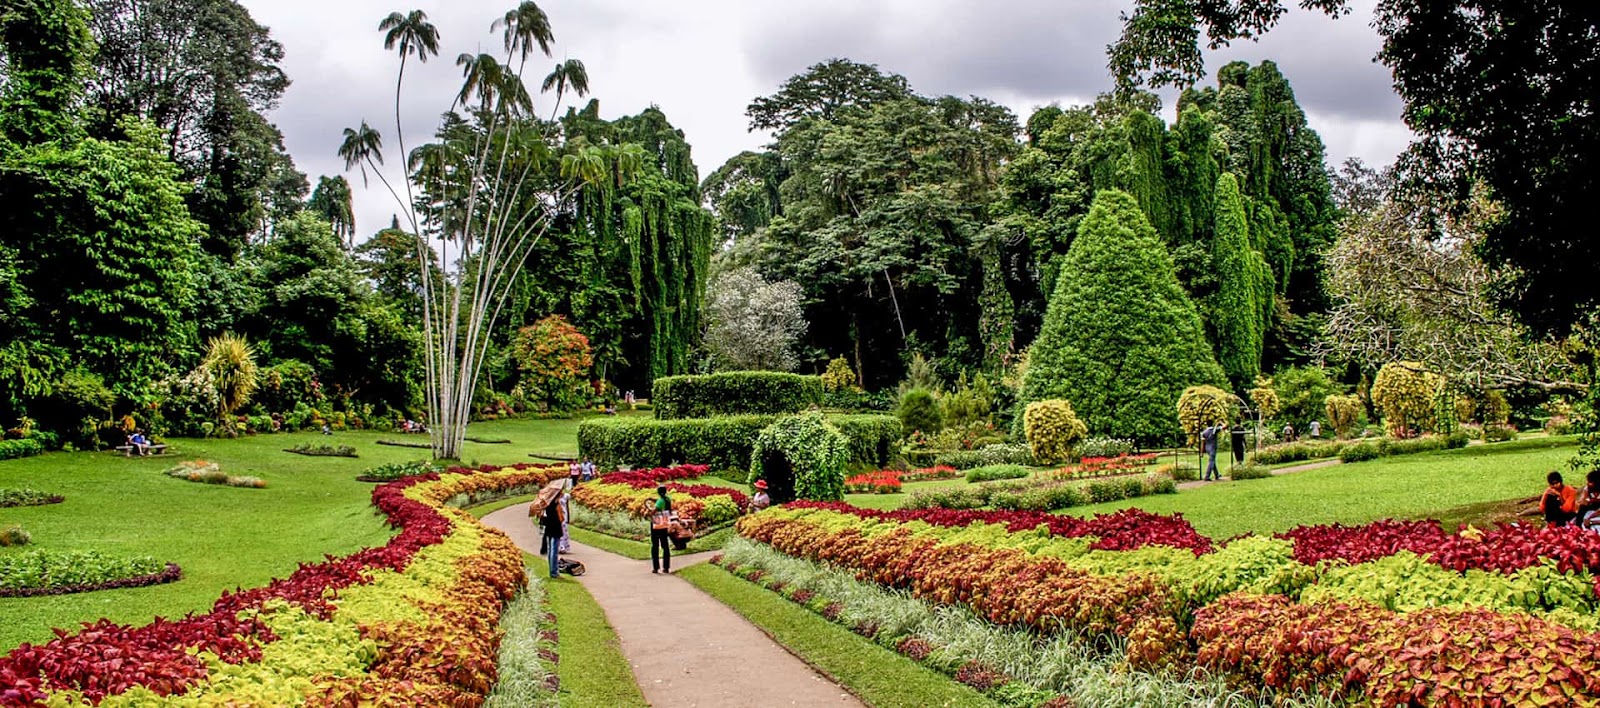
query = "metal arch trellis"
x=1239 y=410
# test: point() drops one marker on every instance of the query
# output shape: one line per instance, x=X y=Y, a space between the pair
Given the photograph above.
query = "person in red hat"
x=760 y=500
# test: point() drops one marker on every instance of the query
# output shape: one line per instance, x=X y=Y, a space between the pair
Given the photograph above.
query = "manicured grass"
x=592 y=669
x=223 y=537
x=1409 y=486
x=483 y=510
x=881 y=678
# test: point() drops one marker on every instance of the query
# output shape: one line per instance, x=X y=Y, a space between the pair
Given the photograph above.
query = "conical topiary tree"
x=1121 y=339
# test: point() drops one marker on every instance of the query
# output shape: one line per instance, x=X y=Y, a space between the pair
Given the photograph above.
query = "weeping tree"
x=468 y=192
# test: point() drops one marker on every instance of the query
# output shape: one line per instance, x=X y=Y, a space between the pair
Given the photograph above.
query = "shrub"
x=323 y=450
x=1202 y=407
x=31 y=571
x=24 y=447
x=721 y=443
x=27 y=497
x=1405 y=393
x=188 y=404
x=1248 y=470
x=397 y=470
x=1297 y=451
x=990 y=473
x=1499 y=433
x=14 y=535
x=553 y=360
x=1179 y=471
x=1265 y=398
x=839 y=376
x=814 y=451
x=232 y=364
x=1360 y=452
x=1105 y=447
x=286 y=385
x=919 y=412
x=1052 y=429
x=970 y=404
x=1302 y=392
x=996 y=454
x=859 y=400
x=1121 y=339
x=734 y=393
x=1344 y=414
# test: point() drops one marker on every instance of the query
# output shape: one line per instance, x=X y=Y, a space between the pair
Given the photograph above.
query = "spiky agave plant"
x=232 y=364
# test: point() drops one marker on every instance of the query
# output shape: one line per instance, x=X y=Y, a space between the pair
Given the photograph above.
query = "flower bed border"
x=172 y=573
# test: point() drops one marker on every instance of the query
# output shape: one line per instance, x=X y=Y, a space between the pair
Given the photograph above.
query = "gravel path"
x=686 y=648
x=1282 y=470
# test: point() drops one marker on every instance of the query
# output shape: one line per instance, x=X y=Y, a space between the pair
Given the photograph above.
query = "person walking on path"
x=552 y=522
x=1208 y=445
x=660 y=533
x=1316 y=430
x=566 y=518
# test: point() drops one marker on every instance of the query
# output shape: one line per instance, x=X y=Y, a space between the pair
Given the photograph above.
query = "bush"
x=1405 y=393
x=839 y=376
x=990 y=473
x=1179 y=471
x=24 y=447
x=1303 y=394
x=1052 y=429
x=30 y=572
x=919 y=412
x=1105 y=447
x=815 y=452
x=323 y=450
x=1298 y=451
x=27 y=497
x=734 y=393
x=1202 y=407
x=1344 y=414
x=721 y=443
x=1499 y=433
x=553 y=360
x=397 y=470
x=1248 y=471
x=1360 y=452
x=282 y=387
x=996 y=454
x=858 y=400
x=14 y=535
x=1121 y=339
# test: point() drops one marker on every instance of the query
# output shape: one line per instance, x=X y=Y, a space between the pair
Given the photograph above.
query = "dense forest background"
x=152 y=209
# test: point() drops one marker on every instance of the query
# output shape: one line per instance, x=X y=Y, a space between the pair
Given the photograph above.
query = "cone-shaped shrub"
x=1121 y=339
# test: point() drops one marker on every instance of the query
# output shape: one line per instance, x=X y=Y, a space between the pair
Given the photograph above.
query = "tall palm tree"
x=361 y=147
x=569 y=74
x=408 y=34
x=524 y=27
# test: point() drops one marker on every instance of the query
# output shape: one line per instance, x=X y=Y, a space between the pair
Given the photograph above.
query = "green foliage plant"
x=1202 y=407
x=919 y=412
x=14 y=535
x=1265 y=398
x=231 y=362
x=723 y=442
x=49 y=568
x=1344 y=414
x=839 y=376
x=1121 y=339
x=1302 y=393
x=21 y=447
x=989 y=473
x=1247 y=470
x=1240 y=310
x=1052 y=430
x=969 y=402
x=815 y=451
x=734 y=393
x=1405 y=394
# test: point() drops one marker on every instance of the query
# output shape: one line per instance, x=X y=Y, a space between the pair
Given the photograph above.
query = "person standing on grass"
x=660 y=527
x=1208 y=445
x=553 y=521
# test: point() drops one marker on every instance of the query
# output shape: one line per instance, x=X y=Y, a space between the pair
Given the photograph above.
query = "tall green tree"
x=824 y=91
x=1121 y=340
x=1497 y=91
x=333 y=201
x=1239 y=311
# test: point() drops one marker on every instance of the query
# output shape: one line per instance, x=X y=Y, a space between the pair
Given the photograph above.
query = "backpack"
x=570 y=567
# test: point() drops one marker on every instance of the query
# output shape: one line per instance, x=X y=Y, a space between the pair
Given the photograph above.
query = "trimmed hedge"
x=722 y=443
x=734 y=393
x=21 y=447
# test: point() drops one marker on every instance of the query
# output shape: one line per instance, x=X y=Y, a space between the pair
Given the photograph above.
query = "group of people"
x=553 y=508
x=1314 y=430
x=1210 y=437
x=1564 y=505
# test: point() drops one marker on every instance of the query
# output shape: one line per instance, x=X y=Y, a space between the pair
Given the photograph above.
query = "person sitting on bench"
x=138 y=444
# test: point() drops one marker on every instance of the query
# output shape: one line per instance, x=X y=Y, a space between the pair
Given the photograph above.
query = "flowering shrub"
x=927 y=474
x=1104 y=466
x=879 y=482
x=634 y=493
x=408 y=623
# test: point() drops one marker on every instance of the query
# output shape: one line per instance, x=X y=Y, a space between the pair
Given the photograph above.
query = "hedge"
x=722 y=443
x=21 y=447
x=734 y=393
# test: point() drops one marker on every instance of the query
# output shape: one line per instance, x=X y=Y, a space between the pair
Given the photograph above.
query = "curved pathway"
x=686 y=648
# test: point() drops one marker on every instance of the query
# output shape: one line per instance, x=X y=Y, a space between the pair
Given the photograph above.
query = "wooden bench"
x=127 y=450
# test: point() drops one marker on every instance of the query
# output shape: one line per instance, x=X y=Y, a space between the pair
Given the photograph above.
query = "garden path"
x=1281 y=470
x=686 y=648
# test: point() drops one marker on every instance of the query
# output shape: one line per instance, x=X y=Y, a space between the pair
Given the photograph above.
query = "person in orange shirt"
x=1559 y=501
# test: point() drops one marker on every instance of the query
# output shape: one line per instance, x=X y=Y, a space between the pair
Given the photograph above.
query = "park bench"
x=127 y=450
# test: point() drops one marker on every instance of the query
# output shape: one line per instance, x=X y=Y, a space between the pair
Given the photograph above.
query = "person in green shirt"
x=660 y=525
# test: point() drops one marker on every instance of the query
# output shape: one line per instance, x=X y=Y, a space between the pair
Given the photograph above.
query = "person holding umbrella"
x=552 y=518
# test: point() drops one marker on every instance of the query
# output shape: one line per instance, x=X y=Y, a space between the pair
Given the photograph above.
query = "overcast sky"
x=702 y=61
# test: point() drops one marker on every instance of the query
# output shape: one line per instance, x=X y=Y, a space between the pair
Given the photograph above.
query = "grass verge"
x=592 y=669
x=881 y=678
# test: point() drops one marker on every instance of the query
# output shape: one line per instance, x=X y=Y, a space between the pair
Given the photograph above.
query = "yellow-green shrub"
x=1052 y=429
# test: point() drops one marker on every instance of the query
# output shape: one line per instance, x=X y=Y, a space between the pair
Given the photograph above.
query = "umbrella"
x=547 y=495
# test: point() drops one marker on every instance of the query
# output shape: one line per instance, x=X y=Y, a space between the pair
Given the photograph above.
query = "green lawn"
x=1410 y=486
x=881 y=678
x=593 y=670
x=222 y=537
